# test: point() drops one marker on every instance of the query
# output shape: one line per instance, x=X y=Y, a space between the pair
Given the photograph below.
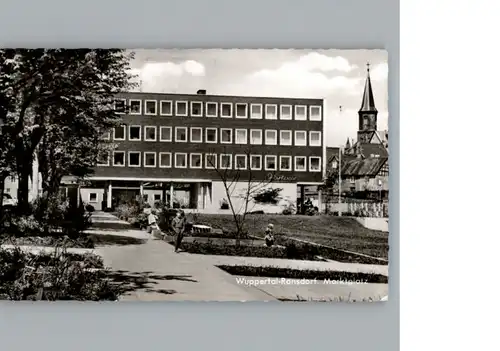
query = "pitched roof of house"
x=363 y=167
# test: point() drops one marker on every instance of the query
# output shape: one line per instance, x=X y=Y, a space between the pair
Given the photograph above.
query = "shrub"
x=126 y=211
x=268 y=196
x=56 y=276
x=25 y=226
x=76 y=221
x=89 y=208
x=289 y=208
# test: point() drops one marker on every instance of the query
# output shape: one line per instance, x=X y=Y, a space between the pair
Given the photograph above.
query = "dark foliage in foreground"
x=56 y=276
x=290 y=249
x=289 y=273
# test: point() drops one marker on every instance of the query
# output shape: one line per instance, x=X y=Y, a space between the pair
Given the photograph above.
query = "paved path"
x=154 y=272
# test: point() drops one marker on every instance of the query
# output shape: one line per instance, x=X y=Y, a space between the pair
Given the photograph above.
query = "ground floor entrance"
x=110 y=194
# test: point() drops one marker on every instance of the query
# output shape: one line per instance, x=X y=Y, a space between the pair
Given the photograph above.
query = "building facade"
x=186 y=149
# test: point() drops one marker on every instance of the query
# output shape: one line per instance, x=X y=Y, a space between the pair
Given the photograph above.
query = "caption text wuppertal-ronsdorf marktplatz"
x=285 y=281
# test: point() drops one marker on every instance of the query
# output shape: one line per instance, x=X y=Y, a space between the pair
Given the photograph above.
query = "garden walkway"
x=154 y=272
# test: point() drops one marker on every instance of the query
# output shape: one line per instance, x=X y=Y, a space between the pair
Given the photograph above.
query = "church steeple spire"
x=368 y=102
x=367 y=113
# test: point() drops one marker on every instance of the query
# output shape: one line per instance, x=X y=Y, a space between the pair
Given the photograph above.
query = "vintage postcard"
x=194 y=175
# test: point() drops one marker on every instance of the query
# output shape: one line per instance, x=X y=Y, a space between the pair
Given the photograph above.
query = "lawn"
x=339 y=232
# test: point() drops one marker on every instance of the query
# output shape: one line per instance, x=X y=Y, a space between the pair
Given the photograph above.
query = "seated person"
x=269 y=237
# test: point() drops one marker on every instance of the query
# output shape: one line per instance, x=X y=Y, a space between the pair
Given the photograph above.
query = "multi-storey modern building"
x=175 y=147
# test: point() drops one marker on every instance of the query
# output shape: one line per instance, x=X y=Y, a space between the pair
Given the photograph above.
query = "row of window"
x=214 y=109
x=210 y=135
x=152 y=159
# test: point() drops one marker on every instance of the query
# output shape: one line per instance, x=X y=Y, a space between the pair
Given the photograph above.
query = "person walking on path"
x=152 y=221
x=179 y=226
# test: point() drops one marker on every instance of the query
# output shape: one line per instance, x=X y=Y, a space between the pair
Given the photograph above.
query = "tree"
x=330 y=187
x=239 y=174
x=57 y=101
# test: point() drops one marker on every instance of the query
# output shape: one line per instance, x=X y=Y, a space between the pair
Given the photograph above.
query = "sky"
x=337 y=76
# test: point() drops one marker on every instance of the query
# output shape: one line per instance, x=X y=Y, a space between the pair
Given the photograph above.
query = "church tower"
x=367 y=113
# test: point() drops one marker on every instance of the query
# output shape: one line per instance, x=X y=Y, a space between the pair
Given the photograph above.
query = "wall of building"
x=289 y=195
x=372 y=184
x=189 y=147
x=85 y=197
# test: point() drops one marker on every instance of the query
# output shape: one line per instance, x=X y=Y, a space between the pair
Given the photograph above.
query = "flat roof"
x=216 y=96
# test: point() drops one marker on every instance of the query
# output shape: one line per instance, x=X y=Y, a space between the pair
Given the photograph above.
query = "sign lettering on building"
x=280 y=178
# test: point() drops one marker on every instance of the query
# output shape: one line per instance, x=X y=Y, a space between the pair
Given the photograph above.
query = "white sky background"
x=337 y=76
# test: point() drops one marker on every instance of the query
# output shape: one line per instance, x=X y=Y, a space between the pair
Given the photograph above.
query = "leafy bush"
x=25 y=226
x=56 y=276
x=126 y=211
x=75 y=221
x=89 y=208
x=289 y=208
x=268 y=196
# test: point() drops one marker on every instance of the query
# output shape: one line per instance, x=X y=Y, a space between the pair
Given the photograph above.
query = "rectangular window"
x=180 y=160
x=157 y=197
x=286 y=112
x=134 y=133
x=256 y=136
x=134 y=159
x=315 y=113
x=211 y=109
x=314 y=164
x=93 y=197
x=150 y=107
x=196 y=135
x=241 y=136
x=165 y=160
x=271 y=111
x=271 y=137
x=121 y=106
x=270 y=164
x=103 y=158
x=225 y=161
x=300 y=113
x=119 y=133
x=211 y=135
x=240 y=161
x=196 y=109
x=149 y=159
x=150 y=133
x=210 y=161
x=300 y=163
x=285 y=137
x=181 y=108
x=166 y=108
x=226 y=136
x=314 y=138
x=226 y=109
x=241 y=110
x=135 y=106
x=256 y=111
x=285 y=163
x=181 y=134
x=165 y=133
x=255 y=162
x=300 y=138
x=195 y=160
x=119 y=158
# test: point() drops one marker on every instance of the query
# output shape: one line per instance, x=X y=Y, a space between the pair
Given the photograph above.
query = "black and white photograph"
x=194 y=175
